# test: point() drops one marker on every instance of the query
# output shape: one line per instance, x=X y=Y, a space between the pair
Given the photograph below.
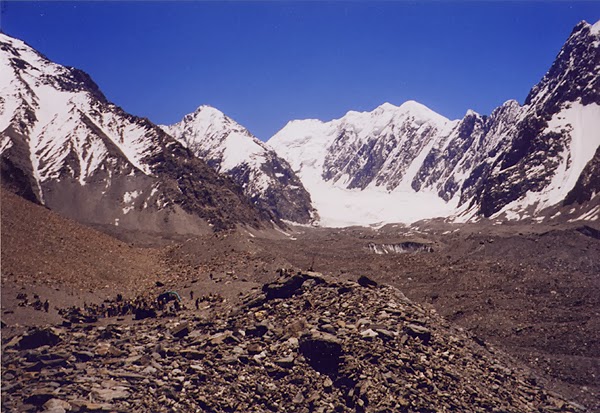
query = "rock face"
x=325 y=346
x=65 y=146
x=267 y=179
x=518 y=162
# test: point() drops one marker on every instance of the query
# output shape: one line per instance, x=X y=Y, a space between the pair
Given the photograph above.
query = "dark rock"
x=284 y=289
x=417 y=331
x=322 y=351
x=479 y=341
x=589 y=231
x=287 y=287
x=328 y=328
x=143 y=313
x=258 y=330
x=286 y=362
x=385 y=333
x=39 y=337
x=83 y=355
x=39 y=397
x=344 y=290
x=37 y=366
x=181 y=330
x=255 y=301
x=365 y=281
x=192 y=354
x=111 y=331
x=254 y=348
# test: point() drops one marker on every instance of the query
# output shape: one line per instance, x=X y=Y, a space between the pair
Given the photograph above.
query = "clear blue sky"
x=264 y=63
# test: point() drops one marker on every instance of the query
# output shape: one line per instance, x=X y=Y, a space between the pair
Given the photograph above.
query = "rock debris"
x=306 y=343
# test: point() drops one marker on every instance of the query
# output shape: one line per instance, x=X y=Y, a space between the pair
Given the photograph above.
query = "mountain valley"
x=386 y=261
x=512 y=291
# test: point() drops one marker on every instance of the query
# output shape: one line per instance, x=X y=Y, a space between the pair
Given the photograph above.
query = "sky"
x=266 y=63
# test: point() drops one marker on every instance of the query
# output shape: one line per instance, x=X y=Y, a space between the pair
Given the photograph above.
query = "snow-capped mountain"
x=266 y=179
x=556 y=136
x=406 y=163
x=65 y=146
x=358 y=169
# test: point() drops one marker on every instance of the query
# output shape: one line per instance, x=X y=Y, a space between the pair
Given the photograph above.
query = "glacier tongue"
x=341 y=207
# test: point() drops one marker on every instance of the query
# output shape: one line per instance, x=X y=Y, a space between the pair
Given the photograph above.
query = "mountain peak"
x=387 y=107
x=206 y=111
x=511 y=102
x=207 y=117
x=583 y=27
x=231 y=149
x=421 y=111
x=413 y=105
x=207 y=108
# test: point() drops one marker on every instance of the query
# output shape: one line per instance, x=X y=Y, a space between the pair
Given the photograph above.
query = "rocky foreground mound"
x=304 y=343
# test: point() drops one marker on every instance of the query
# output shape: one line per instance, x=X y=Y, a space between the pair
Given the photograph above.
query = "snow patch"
x=129 y=197
x=592 y=215
x=5 y=144
x=239 y=149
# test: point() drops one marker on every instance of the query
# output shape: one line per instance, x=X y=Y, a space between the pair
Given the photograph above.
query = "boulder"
x=323 y=351
x=39 y=337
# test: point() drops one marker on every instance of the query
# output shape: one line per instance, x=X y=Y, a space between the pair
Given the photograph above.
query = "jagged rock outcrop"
x=556 y=135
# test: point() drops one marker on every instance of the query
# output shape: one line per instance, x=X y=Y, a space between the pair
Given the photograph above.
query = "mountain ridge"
x=64 y=145
x=229 y=148
x=519 y=162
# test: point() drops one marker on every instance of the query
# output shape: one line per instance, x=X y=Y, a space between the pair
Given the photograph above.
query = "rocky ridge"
x=265 y=178
x=555 y=137
x=64 y=145
x=303 y=343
